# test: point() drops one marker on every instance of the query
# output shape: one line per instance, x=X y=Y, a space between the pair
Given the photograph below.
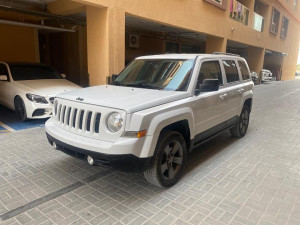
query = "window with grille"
x=275 y=21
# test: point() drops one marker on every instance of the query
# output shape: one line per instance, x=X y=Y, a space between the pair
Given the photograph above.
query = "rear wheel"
x=169 y=160
x=241 y=126
x=20 y=110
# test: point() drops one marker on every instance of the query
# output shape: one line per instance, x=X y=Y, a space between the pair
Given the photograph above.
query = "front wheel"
x=241 y=127
x=169 y=160
x=20 y=109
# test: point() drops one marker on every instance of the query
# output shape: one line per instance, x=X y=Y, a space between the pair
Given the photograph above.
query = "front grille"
x=77 y=118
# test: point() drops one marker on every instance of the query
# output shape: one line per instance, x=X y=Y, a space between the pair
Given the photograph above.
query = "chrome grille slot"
x=81 y=119
x=68 y=113
x=55 y=108
x=58 y=112
x=74 y=118
x=97 y=123
x=88 y=121
x=63 y=111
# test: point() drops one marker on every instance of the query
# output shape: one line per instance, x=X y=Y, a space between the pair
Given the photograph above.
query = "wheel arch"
x=181 y=121
x=248 y=102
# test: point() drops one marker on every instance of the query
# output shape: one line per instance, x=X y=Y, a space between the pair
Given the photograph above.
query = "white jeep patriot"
x=156 y=111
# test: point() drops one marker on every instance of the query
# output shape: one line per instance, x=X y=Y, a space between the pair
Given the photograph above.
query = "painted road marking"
x=2 y=125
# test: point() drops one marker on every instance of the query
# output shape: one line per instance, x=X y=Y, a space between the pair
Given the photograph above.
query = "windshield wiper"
x=141 y=85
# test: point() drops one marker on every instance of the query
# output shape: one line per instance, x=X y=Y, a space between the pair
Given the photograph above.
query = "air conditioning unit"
x=134 y=41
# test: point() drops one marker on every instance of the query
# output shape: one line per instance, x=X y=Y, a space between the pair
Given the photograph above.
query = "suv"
x=156 y=111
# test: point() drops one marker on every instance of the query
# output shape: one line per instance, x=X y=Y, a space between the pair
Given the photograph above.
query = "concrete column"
x=255 y=58
x=105 y=43
x=215 y=44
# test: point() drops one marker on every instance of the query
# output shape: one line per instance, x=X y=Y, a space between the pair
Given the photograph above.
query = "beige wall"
x=18 y=44
x=198 y=16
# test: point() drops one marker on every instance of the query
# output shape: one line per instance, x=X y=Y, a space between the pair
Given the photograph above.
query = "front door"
x=210 y=107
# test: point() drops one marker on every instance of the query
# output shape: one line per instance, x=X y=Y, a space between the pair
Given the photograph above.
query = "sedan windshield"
x=160 y=74
x=33 y=72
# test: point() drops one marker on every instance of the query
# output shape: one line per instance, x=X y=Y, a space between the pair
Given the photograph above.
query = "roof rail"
x=225 y=53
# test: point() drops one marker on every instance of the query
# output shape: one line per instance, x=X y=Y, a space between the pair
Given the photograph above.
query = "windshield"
x=160 y=74
x=33 y=72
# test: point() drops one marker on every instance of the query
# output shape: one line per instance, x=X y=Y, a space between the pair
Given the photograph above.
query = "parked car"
x=266 y=75
x=254 y=76
x=30 y=88
x=158 y=109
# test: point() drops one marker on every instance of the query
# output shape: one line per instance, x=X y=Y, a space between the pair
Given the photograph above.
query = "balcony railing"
x=239 y=12
x=258 y=22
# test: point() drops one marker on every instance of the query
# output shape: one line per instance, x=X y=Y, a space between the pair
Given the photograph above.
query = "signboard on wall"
x=219 y=3
x=239 y=12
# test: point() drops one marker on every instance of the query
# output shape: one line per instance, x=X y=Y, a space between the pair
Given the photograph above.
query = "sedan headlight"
x=114 y=122
x=36 y=98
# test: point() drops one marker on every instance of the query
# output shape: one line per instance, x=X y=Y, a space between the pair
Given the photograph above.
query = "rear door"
x=234 y=87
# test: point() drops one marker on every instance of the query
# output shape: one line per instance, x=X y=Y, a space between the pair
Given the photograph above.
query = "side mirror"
x=3 y=78
x=64 y=75
x=208 y=85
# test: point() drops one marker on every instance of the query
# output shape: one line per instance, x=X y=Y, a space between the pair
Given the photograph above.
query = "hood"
x=124 y=98
x=47 y=86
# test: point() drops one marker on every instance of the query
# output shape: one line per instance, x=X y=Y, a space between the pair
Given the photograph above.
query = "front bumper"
x=125 y=162
x=123 y=154
x=32 y=109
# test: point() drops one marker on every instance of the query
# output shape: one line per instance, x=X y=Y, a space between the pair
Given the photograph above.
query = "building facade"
x=265 y=32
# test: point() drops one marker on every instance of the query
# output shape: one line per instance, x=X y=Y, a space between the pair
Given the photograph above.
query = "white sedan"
x=30 y=88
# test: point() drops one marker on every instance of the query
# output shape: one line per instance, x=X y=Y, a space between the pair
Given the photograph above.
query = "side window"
x=244 y=70
x=231 y=71
x=3 y=70
x=210 y=70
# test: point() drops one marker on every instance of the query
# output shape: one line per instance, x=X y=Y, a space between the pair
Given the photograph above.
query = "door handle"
x=223 y=96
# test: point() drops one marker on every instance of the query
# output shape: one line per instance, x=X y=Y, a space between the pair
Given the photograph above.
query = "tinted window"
x=244 y=70
x=231 y=71
x=210 y=70
x=33 y=72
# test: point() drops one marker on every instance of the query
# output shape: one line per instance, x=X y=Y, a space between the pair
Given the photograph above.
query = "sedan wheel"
x=20 y=109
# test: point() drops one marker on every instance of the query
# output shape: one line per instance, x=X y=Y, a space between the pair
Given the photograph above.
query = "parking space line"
x=49 y=197
x=6 y=127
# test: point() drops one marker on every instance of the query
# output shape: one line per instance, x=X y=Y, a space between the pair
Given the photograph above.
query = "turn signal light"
x=141 y=133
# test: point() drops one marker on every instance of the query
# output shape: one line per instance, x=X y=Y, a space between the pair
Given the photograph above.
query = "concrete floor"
x=253 y=180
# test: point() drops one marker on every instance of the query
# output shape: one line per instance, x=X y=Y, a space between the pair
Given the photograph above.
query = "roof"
x=187 y=56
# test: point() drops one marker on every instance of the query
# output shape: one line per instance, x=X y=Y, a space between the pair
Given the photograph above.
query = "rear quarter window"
x=244 y=70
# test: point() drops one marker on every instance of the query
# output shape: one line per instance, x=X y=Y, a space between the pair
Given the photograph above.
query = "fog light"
x=54 y=145
x=90 y=160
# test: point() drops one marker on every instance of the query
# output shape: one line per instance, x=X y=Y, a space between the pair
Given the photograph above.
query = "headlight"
x=36 y=98
x=114 y=122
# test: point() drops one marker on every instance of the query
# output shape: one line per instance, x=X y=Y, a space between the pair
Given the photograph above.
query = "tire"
x=241 y=126
x=168 y=162
x=20 y=110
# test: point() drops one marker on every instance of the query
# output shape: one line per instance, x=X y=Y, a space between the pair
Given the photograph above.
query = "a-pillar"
x=215 y=44
x=105 y=43
x=255 y=59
